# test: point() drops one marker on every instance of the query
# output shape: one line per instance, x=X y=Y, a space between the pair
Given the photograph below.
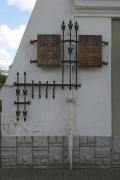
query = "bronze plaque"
x=48 y=50
x=90 y=51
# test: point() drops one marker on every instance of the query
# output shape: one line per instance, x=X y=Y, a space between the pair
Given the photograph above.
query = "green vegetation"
x=3 y=77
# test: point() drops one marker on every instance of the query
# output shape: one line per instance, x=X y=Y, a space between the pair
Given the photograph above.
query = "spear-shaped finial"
x=63 y=26
x=70 y=25
x=76 y=26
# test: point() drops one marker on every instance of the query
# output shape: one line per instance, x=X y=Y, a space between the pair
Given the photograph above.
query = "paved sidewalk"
x=81 y=174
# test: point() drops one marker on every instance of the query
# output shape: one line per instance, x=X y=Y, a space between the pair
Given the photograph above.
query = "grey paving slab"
x=112 y=174
x=56 y=174
x=96 y=174
x=80 y=174
x=69 y=175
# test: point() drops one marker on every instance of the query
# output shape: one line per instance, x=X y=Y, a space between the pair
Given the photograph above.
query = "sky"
x=14 y=16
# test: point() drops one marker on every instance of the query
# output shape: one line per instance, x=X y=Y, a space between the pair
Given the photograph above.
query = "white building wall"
x=94 y=100
x=92 y=114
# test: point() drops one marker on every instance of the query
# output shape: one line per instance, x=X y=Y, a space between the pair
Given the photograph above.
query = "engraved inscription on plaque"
x=90 y=51
x=48 y=50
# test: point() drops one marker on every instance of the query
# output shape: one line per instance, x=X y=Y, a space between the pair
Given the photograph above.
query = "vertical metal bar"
x=54 y=90
x=32 y=89
x=76 y=59
x=70 y=25
x=76 y=26
x=17 y=96
x=39 y=89
x=70 y=59
x=70 y=72
x=63 y=62
x=18 y=93
x=25 y=90
x=25 y=93
x=63 y=52
x=46 y=89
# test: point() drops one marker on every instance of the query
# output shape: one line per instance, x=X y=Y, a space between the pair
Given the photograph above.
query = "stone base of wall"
x=52 y=152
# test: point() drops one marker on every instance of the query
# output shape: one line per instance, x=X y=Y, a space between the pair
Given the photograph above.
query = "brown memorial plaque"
x=48 y=50
x=90 y=51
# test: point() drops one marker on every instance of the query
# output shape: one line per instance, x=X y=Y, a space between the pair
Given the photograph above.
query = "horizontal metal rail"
x=69 y=40
x=33 y=61
x=68 y=61
x=62 y=41
x=47 y=84
x=33 y=41
x=22 y=103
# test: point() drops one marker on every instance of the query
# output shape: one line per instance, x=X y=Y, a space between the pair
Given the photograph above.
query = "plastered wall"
x=92 y=107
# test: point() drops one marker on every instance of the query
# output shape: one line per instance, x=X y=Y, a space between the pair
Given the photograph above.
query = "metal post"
x=70 y=100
